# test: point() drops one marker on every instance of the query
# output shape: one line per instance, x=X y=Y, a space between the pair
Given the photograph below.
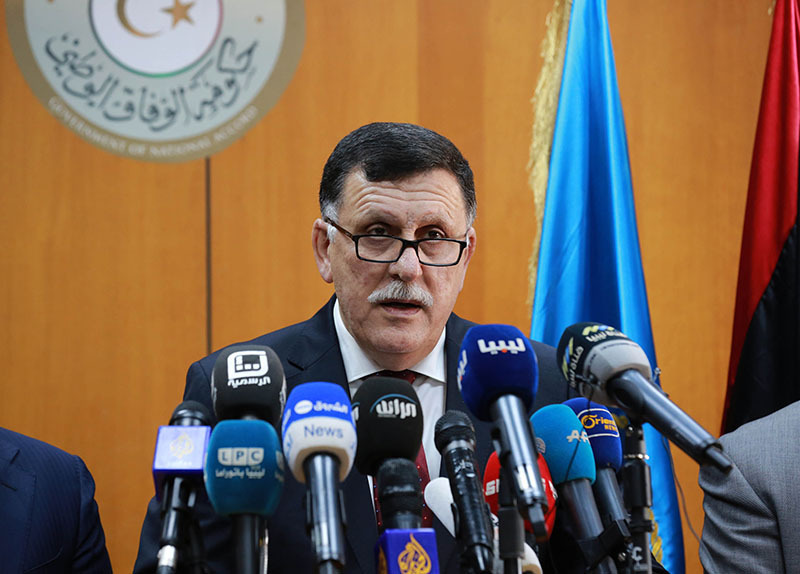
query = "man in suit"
x=752 y=514
x=49 y=521
x=395 y=238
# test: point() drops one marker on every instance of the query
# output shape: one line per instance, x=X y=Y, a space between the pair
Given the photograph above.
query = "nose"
x=408 y=267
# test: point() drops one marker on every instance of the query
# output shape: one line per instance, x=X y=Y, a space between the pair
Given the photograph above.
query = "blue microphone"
x=244 y=476
x=319 y=442
x=244 y=468
x=566 y=448
x=606 y=445
x=498 y=376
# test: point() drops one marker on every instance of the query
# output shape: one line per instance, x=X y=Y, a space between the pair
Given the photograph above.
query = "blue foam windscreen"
x=602 y=430
x=496 y=360
x=318 y=418
x=564 y=444
x=244 y=469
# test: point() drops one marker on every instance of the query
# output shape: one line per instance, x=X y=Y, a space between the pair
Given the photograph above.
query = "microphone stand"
x=638 y=495
x=511 y=528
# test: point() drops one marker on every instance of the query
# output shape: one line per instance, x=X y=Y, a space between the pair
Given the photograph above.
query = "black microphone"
x=455 y=439
x=248 y=383
x=177 y=472
x=389 y=426
x=400 y=494
x=566 y=449
x=607 y=367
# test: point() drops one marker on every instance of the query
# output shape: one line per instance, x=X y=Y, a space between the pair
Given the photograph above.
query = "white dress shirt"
x=429 y=384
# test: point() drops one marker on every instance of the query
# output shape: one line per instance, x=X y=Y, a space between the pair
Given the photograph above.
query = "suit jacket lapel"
x=17 y=487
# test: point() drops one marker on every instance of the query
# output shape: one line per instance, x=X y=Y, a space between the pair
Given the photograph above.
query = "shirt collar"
x=358 y=365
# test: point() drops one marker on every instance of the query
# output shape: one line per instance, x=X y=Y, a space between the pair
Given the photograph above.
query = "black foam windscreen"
x=399 y=490
x=453 y=426
x=248 y=381
x=189 y=414
x=388 y=418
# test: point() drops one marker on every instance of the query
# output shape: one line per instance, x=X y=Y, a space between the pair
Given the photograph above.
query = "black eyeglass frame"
x=412 y=243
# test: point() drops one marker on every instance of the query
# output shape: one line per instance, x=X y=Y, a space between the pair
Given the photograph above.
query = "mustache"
x=398 y=290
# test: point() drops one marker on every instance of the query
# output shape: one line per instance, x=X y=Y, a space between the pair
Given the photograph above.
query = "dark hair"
x=386 y=151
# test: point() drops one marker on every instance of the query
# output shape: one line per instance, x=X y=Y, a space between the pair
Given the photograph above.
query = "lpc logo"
x=240 y=456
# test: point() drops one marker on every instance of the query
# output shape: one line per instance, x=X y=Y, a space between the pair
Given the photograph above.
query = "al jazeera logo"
x=157 y=80
x=412 y=560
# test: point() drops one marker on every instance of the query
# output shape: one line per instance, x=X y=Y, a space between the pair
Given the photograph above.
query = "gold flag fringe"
x=545 y=106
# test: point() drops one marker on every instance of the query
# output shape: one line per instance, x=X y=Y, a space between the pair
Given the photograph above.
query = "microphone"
x=565 y=446
x=439 y=498
x=607 y=367
x=319 y=443
x=400 y=494
x=498 y=375
x=389 y=425
x=389 y=422
x=178 y=472
x=455 y=439
x=244 y=476
x=248 y=382
x=607 y=449
x=491 y=489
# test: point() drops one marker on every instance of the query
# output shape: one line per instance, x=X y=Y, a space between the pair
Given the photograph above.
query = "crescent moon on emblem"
x=123 y=19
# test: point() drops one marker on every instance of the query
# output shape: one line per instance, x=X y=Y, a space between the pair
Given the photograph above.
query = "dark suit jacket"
x=309 y=351
x=49 y=520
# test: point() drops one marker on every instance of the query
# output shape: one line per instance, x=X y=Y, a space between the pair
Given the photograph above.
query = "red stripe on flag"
x=772 y=192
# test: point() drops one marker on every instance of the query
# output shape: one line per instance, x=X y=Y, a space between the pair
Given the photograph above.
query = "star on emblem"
x=179 y=12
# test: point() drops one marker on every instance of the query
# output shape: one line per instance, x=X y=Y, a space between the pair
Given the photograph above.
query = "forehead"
x=432 y=194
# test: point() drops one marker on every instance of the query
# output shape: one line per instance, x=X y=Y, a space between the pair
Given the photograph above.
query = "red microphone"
x=491 y=484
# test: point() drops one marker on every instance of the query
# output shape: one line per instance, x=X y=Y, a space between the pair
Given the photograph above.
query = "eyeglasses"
x=436 y=252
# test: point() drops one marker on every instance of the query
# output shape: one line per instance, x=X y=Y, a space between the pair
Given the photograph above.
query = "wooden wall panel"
x=102 y=300
x=105 y=258
x=690 y=79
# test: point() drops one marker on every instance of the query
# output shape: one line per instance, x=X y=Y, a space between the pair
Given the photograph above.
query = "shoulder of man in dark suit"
x=48 y=515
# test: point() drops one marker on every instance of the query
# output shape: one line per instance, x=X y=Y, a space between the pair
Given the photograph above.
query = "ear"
x=467 y=255
x=472 y=238
x=320 y=244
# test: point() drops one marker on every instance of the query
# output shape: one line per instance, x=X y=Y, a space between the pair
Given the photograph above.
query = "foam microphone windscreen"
x=491 y=483
x=317 y=419
x=389 y=422
x=562 y=441
x=248 y=380
x=602 y=430
x=589 y=354
x=439 y=498
x=496 y=360
x=399 y=490
x=244 y=470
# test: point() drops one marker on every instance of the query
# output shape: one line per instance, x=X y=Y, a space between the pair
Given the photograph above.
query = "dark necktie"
x=422 y=464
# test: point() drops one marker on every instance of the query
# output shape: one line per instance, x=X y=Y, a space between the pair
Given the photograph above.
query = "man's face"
x=396 y=333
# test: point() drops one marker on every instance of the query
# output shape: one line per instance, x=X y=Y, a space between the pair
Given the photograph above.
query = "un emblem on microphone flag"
x=157 y=80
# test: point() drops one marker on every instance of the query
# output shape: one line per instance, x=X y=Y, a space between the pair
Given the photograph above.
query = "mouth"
x=400 y=305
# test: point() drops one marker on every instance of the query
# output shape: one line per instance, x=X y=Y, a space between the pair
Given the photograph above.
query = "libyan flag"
x=764 y=373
